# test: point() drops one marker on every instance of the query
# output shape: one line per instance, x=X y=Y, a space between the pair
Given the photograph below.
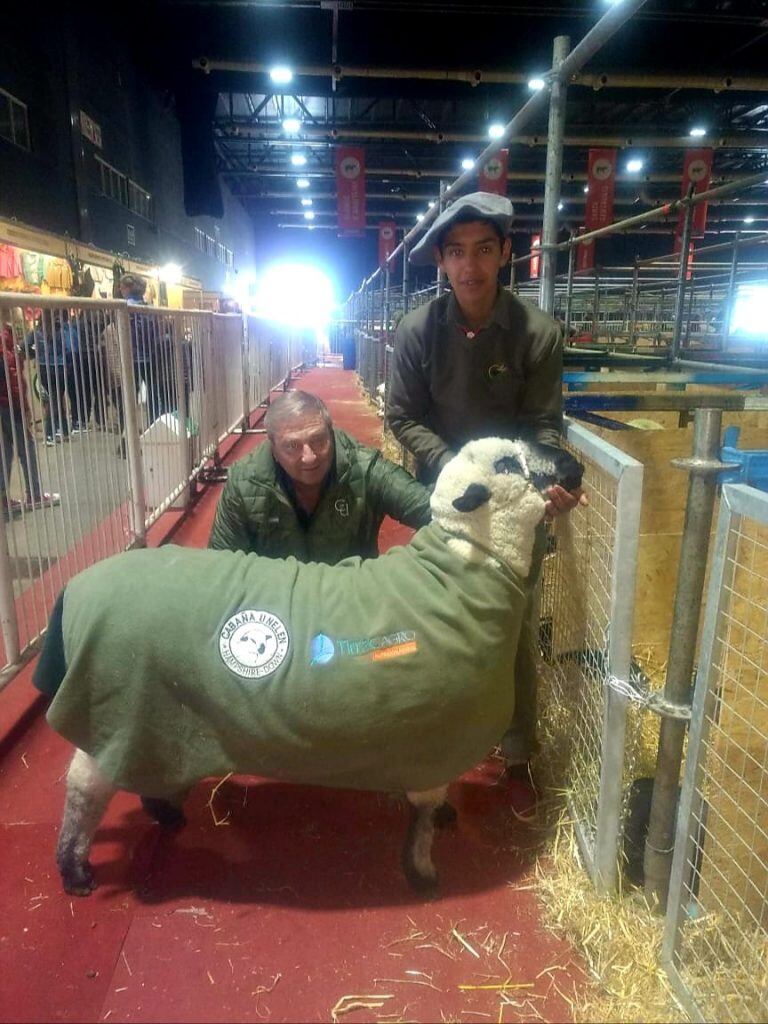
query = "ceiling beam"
x=474 y=77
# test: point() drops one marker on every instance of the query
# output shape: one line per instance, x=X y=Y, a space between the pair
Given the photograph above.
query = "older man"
x=313 y=491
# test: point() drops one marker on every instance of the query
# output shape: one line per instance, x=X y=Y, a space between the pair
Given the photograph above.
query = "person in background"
x=52 y=340
x=15 y=432
x=480 y=362
x=313 y=491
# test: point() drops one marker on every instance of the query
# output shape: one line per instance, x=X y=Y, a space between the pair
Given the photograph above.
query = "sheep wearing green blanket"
x=172 y=665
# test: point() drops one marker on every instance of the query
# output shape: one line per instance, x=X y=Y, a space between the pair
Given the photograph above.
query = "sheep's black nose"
x=570 y=472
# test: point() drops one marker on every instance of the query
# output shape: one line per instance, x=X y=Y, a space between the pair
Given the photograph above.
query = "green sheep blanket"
x=394 y=673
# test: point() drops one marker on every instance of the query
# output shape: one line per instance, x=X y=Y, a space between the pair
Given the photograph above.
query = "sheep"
x=172 y=665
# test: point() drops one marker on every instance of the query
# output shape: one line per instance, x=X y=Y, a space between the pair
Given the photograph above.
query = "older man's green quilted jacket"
x=394 y=673
x=256 y=515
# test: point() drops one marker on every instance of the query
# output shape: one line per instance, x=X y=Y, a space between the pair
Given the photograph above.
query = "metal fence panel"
x=716 y=938
x=586 y=610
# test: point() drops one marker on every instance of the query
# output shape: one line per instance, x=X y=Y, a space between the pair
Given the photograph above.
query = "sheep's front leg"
x=88 y=794
x=167 y=814
x=417 y=854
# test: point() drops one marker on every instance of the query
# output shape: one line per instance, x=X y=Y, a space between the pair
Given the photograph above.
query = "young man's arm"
x=409 y=402
x=541 y=413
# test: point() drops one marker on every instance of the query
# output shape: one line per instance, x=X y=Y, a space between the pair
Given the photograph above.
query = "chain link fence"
x=108 y=414
x=716 y=938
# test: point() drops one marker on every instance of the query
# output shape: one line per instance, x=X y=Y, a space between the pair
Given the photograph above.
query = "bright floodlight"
x=634 y=165
x=291 y=125
x=750 y=310
x=536 y=84
x=170 y=273
x=431 y=204
x=586 y=188
x=467 y=164
x=560 y=205
x=419 y=216
x=749 y=220
x=298 y=159
x=302 y=182
x=697 y=132
x=309 y=215
x=279 y=286
x=306 y=202
x=496 y=130
x=280 y=74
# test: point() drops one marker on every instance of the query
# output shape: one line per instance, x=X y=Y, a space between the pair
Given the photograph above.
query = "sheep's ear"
x=474 y=496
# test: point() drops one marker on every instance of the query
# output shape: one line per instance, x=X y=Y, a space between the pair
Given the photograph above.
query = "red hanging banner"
x=493 y=173
x=350 y=189
x=601 y=181
x=585 y=255
x=697 y=170
x=387 y=240
x=536 y=258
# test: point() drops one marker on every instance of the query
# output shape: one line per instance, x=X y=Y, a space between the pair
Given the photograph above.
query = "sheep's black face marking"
x=551 y=465
x=508 y=464
x=474 y=496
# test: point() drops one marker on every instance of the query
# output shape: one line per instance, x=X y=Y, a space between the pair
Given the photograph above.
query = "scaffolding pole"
x=556 y=133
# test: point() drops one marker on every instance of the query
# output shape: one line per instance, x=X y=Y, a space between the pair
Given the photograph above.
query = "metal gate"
x=716 y=938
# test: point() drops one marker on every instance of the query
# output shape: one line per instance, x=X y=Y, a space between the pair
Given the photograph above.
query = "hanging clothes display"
x=33 y=267
x=10 y=262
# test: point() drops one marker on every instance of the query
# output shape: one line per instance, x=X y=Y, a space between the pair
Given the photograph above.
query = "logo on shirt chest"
x=341 y=505
x=497 y=370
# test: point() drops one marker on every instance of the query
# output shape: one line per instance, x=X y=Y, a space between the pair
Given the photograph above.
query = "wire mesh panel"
x=587 y=602
x=716 y=939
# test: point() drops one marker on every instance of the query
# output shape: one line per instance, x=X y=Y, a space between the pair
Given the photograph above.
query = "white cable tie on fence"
x=649 y=699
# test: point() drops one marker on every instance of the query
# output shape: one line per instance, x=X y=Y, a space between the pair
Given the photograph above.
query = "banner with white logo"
x=350 y=189
x=585 y=255
x=697 y=170
x=601 y=181
x=493 y=173
x=387 y=240
x=535 y=257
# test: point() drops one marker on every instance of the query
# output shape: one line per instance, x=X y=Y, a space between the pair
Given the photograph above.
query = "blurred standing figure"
x=15 y=433
x=52 y=340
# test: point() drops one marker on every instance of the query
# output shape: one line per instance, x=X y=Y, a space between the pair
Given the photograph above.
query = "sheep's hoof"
x=166 y=814
x=445 y=815
x=78 y=879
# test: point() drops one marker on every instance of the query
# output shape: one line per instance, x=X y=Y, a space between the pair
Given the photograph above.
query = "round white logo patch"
x=602 y=169
x=350 y=167
x=493 y=169
x=253 y=643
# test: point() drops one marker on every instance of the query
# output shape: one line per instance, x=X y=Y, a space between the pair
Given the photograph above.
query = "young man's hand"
x=562 y=501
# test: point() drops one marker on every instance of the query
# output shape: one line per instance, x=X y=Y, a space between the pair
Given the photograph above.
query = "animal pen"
x=654 y=346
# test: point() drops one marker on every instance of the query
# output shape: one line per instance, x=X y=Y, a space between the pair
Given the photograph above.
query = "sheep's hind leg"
x=167 y=814
x=88 y=794
x=417 y=853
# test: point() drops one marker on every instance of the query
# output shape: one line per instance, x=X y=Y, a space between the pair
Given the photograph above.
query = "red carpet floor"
x=287 y=903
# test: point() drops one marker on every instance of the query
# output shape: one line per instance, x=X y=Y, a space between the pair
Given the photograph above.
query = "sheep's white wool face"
x=505 y=521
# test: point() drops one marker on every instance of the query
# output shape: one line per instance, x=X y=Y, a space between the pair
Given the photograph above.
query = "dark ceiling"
x=681 y=62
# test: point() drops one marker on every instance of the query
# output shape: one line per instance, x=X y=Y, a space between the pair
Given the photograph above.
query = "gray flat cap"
x=487 y=206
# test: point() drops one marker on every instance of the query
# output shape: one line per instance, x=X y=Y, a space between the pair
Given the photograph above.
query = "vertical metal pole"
x=386 y=302
x=185 y=439
x=596 y=306
x=682 y=273
x=512 y=283
x=132 y=448
x=552 y=180
x=245 y=364
x=8 y=622
x=703 y=467
x=633 y=304
x=569 y=289
x=728 y=311
x=406 y=296
x=441 y=207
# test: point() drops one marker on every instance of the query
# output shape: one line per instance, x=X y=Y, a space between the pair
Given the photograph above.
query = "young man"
x=313 y=491
x=479 y=362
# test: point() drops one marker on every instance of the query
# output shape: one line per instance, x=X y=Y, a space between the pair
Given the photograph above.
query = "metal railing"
x=108 y=414
x=586 y=611
x=716 y=938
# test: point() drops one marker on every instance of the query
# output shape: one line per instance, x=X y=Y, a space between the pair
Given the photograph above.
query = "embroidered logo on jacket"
x=253 y=643
x=321 y=649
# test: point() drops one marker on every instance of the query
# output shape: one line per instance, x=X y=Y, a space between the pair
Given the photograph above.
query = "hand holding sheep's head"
x=493 y=494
